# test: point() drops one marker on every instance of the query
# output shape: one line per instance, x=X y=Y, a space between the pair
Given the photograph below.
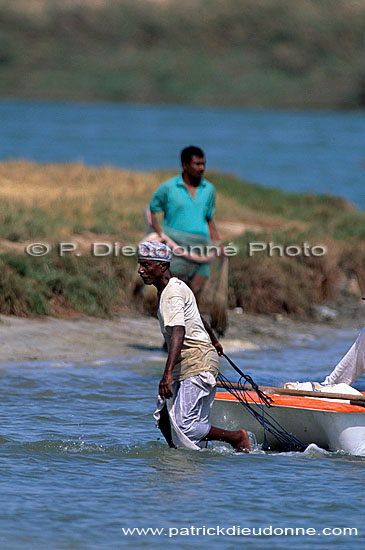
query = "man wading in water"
x=187 y=387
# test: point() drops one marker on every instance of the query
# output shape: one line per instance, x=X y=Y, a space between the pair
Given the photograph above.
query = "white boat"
x=331 y=423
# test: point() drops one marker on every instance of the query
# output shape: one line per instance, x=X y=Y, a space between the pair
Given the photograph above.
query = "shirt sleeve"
x=211 y=206
x=159 y=198
x=174 y=312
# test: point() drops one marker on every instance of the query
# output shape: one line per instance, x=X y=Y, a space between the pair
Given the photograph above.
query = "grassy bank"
x=253 y=53
x=74 y=203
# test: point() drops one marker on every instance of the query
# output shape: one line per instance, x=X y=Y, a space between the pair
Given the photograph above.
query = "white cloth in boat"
x=178 y=307
x=316 y=386
x=189 y=409
x=352 y=365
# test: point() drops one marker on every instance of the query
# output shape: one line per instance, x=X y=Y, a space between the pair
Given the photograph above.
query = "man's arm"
x=160 y=233
x=218 y=346
x=155 y=224
x=177 y=338
x=214 y=235
x=158 y=204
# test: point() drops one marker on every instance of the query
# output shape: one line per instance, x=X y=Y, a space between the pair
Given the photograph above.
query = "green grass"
x=306 y=53
x=91 y=286
x=21 y=221
x=31 y=209
x=324 y=215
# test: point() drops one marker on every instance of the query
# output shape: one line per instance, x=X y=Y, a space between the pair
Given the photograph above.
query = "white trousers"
x=189 y=409
x=352 y=365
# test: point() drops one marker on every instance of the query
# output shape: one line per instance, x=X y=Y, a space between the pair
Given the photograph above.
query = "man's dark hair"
x=189 y=152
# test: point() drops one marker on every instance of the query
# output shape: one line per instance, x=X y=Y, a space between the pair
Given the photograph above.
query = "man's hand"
x=176 y=341
x=164 y=389
x=218 y=346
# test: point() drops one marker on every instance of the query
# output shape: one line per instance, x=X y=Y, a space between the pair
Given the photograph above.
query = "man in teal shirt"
x=187 y=202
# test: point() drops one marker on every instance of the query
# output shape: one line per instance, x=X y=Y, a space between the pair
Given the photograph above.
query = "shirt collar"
x=180 y=181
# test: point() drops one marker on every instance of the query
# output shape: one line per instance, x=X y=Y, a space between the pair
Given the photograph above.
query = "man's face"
x=150 y=271
x=196 y=167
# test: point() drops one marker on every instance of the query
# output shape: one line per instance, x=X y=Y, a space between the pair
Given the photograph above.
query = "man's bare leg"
x=165 y=426
x=238 y=438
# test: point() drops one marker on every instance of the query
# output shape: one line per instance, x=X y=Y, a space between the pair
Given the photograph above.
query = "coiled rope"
x=287 y=440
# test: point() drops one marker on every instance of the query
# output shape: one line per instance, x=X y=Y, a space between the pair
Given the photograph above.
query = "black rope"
x=265 y=398
x=241 y=393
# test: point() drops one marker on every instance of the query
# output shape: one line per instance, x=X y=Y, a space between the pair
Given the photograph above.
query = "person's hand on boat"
x=164 y=389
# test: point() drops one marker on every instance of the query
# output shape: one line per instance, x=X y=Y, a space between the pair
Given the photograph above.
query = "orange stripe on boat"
x=316 y=403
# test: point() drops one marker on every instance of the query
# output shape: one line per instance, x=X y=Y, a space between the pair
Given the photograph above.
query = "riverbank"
x=318 y=256
x=87 y=339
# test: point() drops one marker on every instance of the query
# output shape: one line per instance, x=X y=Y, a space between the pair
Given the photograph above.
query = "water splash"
x=80 y=447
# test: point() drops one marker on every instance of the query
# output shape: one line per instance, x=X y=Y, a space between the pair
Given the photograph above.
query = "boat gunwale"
x=314 y=403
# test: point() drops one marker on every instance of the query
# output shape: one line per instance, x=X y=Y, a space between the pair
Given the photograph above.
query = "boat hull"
x=336 y=426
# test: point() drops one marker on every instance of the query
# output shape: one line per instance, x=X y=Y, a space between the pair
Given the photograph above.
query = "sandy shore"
x=85 y=339
x=90 y=339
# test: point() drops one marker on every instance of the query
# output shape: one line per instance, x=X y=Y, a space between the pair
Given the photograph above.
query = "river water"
x=318 y=152
x=80 y=459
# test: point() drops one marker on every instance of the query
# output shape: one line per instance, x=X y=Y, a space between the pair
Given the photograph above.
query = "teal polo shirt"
x=181 y=210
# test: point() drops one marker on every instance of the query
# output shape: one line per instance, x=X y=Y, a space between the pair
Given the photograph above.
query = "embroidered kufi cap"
x=154 y=250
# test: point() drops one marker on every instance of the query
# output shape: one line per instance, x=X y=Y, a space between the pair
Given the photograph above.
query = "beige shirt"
x=178 y=307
